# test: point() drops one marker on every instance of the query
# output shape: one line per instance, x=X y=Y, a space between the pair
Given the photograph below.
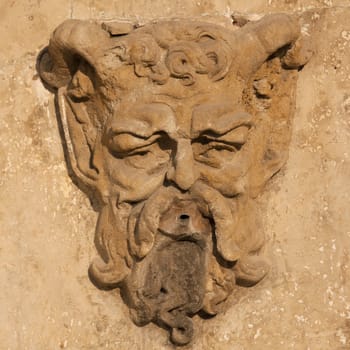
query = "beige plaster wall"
x=46 y=224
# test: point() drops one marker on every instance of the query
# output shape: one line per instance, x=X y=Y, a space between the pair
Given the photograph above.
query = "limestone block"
x=47 y=225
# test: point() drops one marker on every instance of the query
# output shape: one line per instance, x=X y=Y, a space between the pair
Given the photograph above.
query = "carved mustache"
x=144 y=220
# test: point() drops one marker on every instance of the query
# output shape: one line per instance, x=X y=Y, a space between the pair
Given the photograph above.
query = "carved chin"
x=172 y=288
x=168 y=285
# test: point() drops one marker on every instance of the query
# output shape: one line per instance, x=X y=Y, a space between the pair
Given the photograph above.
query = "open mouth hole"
x=184 y=217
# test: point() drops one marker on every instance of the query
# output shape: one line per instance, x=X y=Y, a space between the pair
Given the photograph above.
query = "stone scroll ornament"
x=172 y=129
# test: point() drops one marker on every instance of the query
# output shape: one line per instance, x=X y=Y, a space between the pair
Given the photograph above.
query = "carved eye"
x=143 y=158
x=214 y=152
x=214 y=149
x=148 y=154
x=219 y=149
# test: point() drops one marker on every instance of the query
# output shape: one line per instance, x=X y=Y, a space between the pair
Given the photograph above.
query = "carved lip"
x=195 y=237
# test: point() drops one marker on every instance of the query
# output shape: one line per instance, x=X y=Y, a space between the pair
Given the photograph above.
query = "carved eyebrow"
x=218 y=120
x=144 y=120
x=125 y=142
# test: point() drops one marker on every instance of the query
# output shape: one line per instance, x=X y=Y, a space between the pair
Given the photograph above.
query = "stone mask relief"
x=172 y=129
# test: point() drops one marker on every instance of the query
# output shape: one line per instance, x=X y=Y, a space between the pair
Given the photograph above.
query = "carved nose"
x=183 y=172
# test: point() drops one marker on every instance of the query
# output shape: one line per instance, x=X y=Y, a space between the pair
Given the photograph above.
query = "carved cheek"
x=229 y=180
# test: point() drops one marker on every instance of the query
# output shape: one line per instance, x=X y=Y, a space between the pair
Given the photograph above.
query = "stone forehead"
x=176 y=94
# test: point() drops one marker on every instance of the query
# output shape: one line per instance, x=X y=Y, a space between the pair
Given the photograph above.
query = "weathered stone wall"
x=47 y=226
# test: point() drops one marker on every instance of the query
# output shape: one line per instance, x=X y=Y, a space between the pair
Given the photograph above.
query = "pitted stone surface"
x=47 y=300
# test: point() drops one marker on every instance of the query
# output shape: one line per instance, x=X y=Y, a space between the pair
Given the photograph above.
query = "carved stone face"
x=178 y=157
x=162 y=139
x=173 y=129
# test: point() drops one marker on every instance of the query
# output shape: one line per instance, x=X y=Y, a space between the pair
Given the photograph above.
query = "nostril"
x=184 y=217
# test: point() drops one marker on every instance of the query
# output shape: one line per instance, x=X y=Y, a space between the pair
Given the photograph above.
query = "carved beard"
x=186 y=252
x=177 y=273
